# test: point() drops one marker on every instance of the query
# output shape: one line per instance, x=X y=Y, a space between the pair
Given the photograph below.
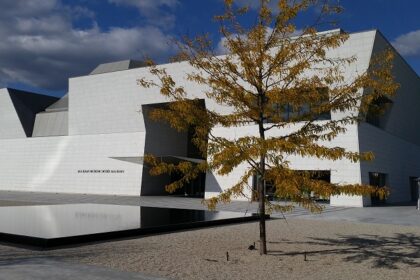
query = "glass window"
x=302 y=112
x=270 y=189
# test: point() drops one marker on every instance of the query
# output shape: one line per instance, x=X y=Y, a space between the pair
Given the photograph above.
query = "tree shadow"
x=19 y=257
x=381 y=251
x=16 y=256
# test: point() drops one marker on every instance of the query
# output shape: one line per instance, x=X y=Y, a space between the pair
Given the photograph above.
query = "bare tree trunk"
x=261 y=206
x=261 y=196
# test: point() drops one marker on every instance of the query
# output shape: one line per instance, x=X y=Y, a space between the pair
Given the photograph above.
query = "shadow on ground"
x=16 y=258
x=382 y=252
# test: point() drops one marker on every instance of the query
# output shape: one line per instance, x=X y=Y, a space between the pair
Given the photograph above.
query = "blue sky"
x=46 y=41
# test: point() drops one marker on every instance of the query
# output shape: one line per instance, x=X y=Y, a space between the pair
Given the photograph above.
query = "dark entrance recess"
x=377 y=179
x=194 y=188
x=322 y=175
x=170 y=146
x=414 y=189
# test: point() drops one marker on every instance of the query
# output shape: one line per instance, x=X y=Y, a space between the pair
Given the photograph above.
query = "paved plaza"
x=51 y=268
x=46 y=268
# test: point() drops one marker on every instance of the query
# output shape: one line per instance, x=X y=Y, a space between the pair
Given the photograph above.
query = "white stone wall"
x=394 y=148
x=342 y=171
x=53 y=164
x=394 y=156
x=51 y=124
x=359 y=45
x=110 y=102
x=397 y=144
x=105 y=122
x=402 y=119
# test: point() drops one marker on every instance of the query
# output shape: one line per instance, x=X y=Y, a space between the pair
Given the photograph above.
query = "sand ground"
x=335 y=250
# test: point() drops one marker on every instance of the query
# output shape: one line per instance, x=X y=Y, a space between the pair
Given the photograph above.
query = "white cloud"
x=408 y=44
x=40 y=46
x=26 y=8
x=153 y=10
x=221 y=46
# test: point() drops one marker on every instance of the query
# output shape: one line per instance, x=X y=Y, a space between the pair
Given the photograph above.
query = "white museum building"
x=92 y=140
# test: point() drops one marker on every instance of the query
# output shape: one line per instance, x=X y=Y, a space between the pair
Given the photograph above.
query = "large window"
x=270 y=189
x=305 y=111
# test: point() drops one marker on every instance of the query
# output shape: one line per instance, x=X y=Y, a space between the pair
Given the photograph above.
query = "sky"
x=44 y=42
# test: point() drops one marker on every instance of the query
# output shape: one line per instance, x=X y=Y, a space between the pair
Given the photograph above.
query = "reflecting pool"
x=55 y=225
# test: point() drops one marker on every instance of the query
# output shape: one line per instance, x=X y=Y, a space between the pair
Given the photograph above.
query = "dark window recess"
x=304 y=111
x=192 y=150
x=376 y=110
x=377 y=179
x=270 y=188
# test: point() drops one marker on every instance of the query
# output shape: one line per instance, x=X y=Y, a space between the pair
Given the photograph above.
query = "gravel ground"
x=335 y=250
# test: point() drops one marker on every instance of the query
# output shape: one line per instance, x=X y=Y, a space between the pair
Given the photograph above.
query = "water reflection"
x=58 y=221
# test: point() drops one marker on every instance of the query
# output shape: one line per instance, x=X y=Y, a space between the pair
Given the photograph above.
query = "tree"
x=273 y=78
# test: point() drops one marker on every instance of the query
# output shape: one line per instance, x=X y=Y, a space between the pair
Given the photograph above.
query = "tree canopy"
x=281 y=81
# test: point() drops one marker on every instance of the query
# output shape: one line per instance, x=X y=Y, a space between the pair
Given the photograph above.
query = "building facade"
x=93 y=139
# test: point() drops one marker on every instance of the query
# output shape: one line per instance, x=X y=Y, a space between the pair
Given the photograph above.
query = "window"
x=270 y=189
x=303 y=112
x=376 y=109
x=377 y=179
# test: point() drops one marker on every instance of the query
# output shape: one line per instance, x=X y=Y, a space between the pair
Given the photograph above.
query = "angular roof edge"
x=378 y=32
x=125 y=64
x=61 y=105
x=117 y=66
